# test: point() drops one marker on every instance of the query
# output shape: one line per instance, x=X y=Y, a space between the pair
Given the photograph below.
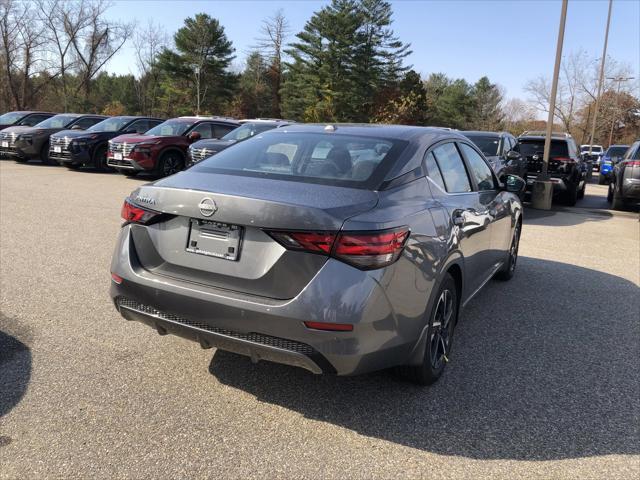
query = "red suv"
x=163 y=149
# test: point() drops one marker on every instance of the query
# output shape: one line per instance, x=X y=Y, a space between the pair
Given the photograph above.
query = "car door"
x=139 y=126
x=221 y=129
x=468 y=216
x=493 y=203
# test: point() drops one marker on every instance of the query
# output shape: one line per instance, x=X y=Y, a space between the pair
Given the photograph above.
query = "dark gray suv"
x=336 y=248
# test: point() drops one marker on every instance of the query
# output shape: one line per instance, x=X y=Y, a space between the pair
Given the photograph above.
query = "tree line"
x=346 y=65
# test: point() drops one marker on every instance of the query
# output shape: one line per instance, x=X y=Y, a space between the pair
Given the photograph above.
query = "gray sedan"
x=335 y=248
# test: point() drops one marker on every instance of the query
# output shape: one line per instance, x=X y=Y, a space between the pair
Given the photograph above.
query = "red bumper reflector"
x=332 y=327
x=116 y=278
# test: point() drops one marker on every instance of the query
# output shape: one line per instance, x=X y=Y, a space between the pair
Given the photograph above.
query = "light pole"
x=600 y=79
x=543 y=188
x=618 y=79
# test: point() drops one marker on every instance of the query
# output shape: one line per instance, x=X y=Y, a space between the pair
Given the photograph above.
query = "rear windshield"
x=340 y=160
x=58 y=121
x=489 y=145
x=529 y=148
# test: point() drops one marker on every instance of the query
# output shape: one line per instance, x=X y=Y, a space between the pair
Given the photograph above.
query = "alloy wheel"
x=441 y=329
x=171 y=165
x=513 y=251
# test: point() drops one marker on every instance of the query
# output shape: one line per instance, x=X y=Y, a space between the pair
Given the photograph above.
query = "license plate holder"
x=5 y=144
x=57 y=149
x=214 y=239
x=117 y=156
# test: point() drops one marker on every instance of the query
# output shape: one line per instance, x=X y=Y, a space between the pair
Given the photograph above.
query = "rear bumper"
x=269 y=329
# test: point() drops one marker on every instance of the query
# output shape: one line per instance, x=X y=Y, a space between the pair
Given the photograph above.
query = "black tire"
x=21 y=159
x=100 y=158
x=582 y=190
x=170 y=162
x=442 y=320
x=571 y=195
x=509 y=269
x=44 y=155
x=72 y=166
x=610 y=192
x=601 y=179
x=617 y=202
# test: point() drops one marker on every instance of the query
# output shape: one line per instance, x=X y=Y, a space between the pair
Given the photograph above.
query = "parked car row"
x=127 y=144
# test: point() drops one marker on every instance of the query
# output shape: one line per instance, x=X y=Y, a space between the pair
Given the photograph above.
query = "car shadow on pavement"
x=560 y=216
x=15 y=365
x=544 y=367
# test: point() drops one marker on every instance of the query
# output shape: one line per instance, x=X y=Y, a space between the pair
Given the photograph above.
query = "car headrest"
x=341 y=158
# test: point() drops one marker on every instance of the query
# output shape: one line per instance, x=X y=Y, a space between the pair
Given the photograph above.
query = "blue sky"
x=509 y=41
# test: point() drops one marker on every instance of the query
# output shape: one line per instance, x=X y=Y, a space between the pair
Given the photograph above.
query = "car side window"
x=85 y=123
x=220 y=131
x=33 y=120
x=433 y=171
x=573 y=149
x=204 y=129
x=139 y=126
x=154 y=123
x=480 y=171
x=452 y=168
x=509 y=144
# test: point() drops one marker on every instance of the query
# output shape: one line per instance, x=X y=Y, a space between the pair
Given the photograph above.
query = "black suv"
x=75 y=148
x=624 y=188
x=206 y=148
x=33 y=142
x=566 y=168
x=498 y=149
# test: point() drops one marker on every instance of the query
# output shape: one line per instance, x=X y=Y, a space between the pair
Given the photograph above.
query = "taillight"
x=316 y=242
x=633 y=163
x=363 y=250
x=132 y=213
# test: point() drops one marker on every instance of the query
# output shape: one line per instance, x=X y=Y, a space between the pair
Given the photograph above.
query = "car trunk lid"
x=225 y=212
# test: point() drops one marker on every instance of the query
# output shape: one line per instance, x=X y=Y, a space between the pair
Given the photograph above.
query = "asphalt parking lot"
x=543 y=382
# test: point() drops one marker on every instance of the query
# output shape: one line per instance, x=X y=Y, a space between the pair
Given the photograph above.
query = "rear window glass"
x=616 y=151
x=529 y=148
x=341 y=160
x=488 y=144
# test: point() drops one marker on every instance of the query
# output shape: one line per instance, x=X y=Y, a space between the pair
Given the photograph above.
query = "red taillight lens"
x=364 y=250
x=117 y=279
x=633 y=163
x=317 y=242
x=331 y=327
x=132 y=213
x=371 y=249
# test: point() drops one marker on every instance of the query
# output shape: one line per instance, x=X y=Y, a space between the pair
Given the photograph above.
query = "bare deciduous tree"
x=96 y=43
x=274 y=32
x=148 y=42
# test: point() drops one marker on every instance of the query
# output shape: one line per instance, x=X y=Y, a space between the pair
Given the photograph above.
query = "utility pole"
x=618 y=79
x=601 y=78
x=542 y=193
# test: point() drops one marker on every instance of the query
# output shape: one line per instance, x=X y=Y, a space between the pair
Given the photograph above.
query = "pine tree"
x=200 y=62
x=487 y=113
x=343 y=58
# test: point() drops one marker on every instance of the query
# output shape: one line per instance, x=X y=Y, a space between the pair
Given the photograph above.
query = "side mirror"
x=77 y=127
x=513 y=184
x=512 y=155
x=194 y=136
